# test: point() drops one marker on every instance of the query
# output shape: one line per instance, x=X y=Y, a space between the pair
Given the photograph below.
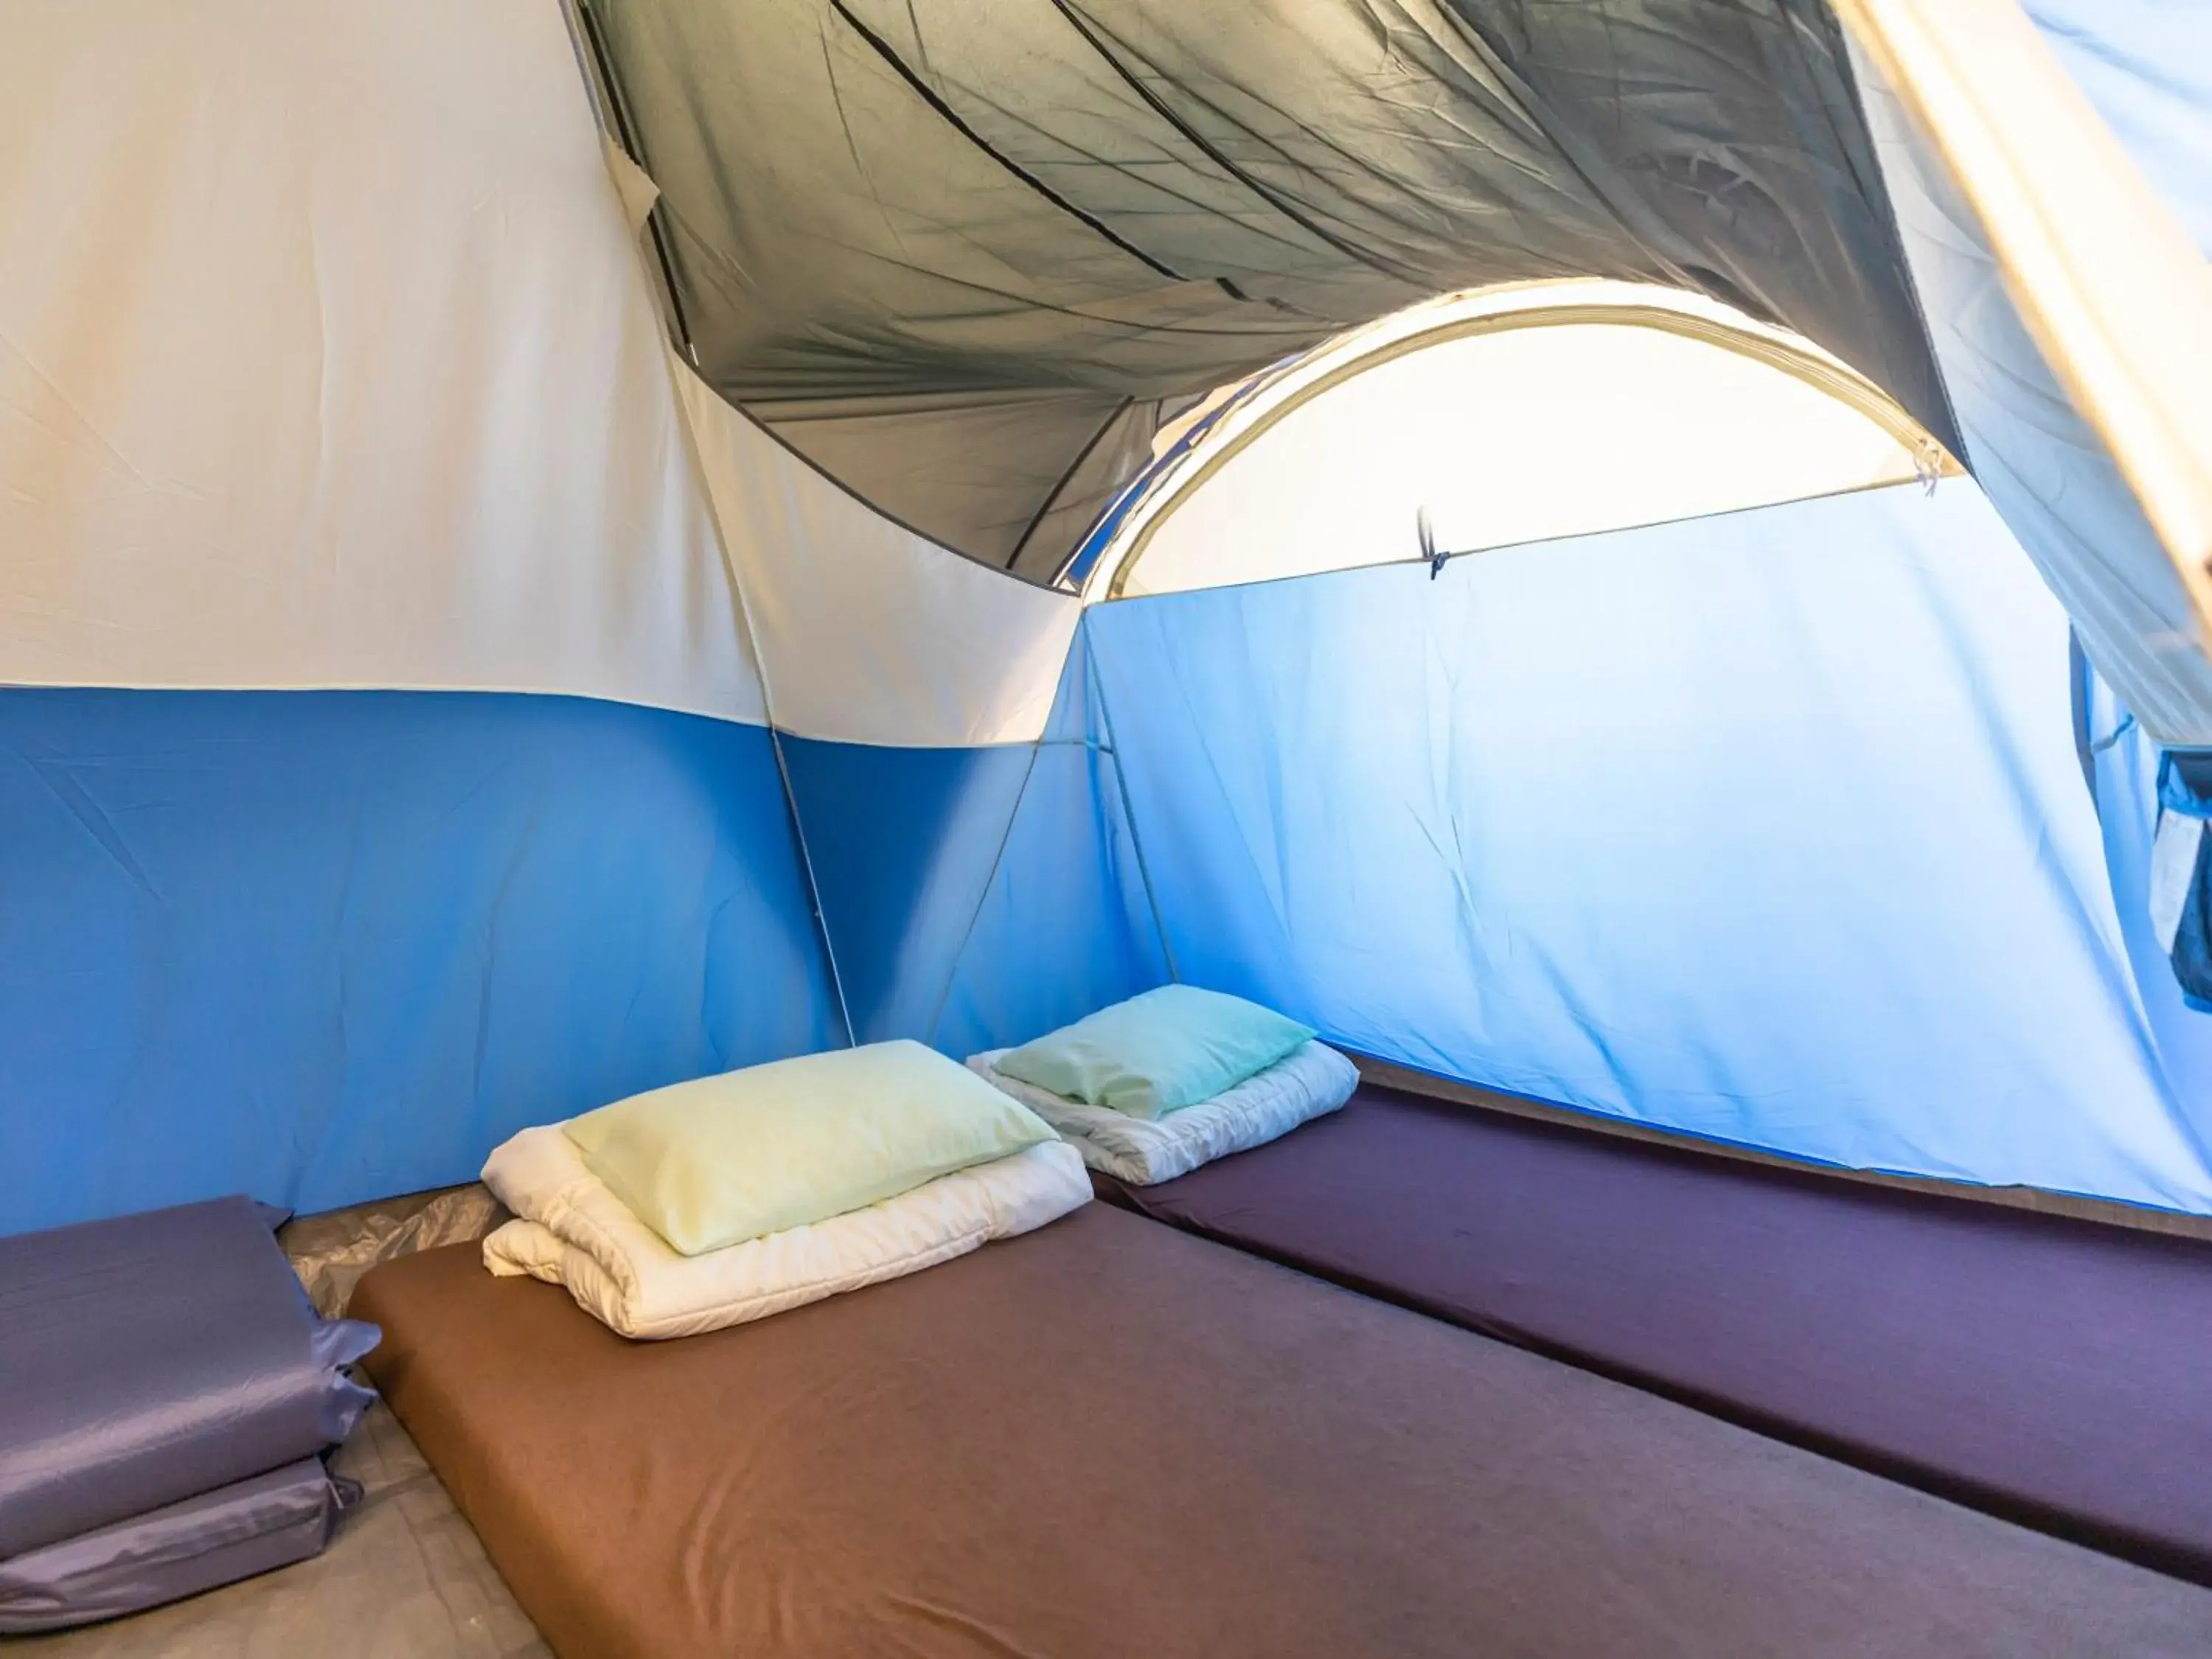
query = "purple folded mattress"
x=153 y=1359
x=233 y=1532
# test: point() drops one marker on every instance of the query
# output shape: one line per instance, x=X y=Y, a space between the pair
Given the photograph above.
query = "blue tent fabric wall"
x=2060 y=490
x=976 y=897
x=1067 y=925
x=328 y=946
x=2126 y=769
x=1762 y=828
x=1769 y=828
x=902 y=841
x=2146 y=66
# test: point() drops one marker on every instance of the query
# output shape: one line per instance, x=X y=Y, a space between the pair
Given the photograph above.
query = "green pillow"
x=1157 y=1053
x=722 y=1159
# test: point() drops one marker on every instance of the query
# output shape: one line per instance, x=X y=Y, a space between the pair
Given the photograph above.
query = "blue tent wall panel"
x=1067 y=925
x=1768 y=828
x=902 y=843
x=1064 y=928
x=976 y=897
x=323 y=946
x=2126 y=765
x=2146 y=66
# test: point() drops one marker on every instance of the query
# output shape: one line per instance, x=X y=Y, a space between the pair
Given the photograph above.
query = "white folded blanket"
x=573 y=1232
x=1312 y=1080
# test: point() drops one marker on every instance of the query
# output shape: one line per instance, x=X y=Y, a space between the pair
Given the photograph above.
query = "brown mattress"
x=1110 y=1438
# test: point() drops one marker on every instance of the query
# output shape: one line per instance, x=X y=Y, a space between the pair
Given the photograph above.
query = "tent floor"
x=404 y=1574
x=2042 y=1368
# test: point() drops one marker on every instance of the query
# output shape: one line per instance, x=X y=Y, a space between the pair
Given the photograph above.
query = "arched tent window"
x=1505 y=415
x=1733 y=790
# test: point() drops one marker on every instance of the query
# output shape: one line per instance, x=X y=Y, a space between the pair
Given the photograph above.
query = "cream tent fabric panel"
x=2043 y=465
x=867 y=632
x=331 y=362
x=2146 y=67
x=2106 y=281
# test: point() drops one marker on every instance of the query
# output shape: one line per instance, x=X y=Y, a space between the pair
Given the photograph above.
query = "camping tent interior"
x=1641 y=555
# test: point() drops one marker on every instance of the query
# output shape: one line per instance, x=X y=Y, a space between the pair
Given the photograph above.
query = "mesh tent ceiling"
x=967 y=259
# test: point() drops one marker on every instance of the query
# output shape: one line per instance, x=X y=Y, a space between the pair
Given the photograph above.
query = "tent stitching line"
x=799 y=833
x=820 y=917
x=1641 y=219
x=1121 y=788
x=601 y=68
x=1885 y=208
x=595 y=68
x=883 y=50
x=1005 y=839
x=771 y=430
x=2085 y=746
x=1052 y=495
x=1207 y=148
x=776 y=434
x=984 y=897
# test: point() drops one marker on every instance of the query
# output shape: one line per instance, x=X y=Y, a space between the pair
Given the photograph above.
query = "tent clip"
x=1426 y=533
x=1927 y=459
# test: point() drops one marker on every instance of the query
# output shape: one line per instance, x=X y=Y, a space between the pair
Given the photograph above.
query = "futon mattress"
x=1108 y=1437
x=2051 y=1370
x=154 y=1357
x=249 y=1527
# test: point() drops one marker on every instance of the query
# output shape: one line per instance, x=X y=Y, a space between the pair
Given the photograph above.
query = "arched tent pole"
x=1510 y=307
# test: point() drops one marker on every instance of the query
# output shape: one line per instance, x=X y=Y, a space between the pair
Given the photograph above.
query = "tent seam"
x=1097 y=686
x=744 y=619
x=1052 y=495
x=983 y=896
x=952 y=117
x=1207 y=148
